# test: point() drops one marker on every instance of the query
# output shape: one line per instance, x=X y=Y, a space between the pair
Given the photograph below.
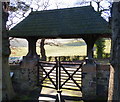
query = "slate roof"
x=68 y=22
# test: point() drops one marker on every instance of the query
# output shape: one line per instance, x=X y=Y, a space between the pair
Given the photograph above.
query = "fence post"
x=59 y=74
x=56 y=73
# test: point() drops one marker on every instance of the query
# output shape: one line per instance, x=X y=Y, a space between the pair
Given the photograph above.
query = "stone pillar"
x=31 y=58
x=89 y=82
x=28 y=72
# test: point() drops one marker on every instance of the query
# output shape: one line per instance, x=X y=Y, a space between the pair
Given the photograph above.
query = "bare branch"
x=11 y=38
x=46 y=5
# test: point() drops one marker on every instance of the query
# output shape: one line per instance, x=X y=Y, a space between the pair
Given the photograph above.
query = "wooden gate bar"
x=47 y=74
x=71 y=76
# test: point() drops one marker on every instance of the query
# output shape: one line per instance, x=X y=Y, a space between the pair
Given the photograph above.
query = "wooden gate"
x=60 y=75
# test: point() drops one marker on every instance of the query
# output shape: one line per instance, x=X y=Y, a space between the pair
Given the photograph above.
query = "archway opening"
x=73 y=48
x=19 y=47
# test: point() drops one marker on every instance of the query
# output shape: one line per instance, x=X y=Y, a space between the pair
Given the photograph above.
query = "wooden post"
x=56 y=73
x=58 y=81
x=32 y=46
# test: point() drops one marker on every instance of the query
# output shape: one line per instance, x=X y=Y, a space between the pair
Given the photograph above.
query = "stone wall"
x=24 y=79
x=103 y=74
x=95 y=81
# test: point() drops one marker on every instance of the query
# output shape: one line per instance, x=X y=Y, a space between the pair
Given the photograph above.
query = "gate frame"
x=58 y=65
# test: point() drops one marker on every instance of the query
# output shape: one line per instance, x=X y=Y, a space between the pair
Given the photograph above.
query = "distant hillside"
x=67 y=42
x=18 y=43
x=77 y=43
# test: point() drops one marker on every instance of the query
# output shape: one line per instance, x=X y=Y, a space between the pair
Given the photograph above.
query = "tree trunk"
x=42 y=50
x=7 y=88
x=100 y=43
x=114 y=83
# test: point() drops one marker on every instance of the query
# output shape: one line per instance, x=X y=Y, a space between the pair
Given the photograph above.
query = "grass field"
x=67 y=49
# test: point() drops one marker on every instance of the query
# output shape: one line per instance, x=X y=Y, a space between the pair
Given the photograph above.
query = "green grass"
x=68 y=49
x=53 y=51
x=65 y=50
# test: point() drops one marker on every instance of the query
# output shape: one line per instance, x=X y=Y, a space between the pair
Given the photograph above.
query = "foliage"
x=100 y=45
x=66 y=58
x=19 y=6
x=17 y=11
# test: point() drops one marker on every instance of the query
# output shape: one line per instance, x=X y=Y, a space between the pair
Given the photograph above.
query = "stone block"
x=100 y=90
x=103 y=73
x=89 y=68
x=89 y=81
x=103 y=67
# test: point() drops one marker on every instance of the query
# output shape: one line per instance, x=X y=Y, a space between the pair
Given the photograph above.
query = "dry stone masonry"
x=95 y=81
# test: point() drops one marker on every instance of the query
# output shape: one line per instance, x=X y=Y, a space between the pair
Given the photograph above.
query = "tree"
x=42 y=50
x=17 y=11
x=7 y=89
x=100 y=44
x=43 y=42
x=114 y=82
x=8 y=92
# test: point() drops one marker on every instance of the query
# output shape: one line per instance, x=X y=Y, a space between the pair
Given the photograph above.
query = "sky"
x=52 y=3
x=61 y=3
